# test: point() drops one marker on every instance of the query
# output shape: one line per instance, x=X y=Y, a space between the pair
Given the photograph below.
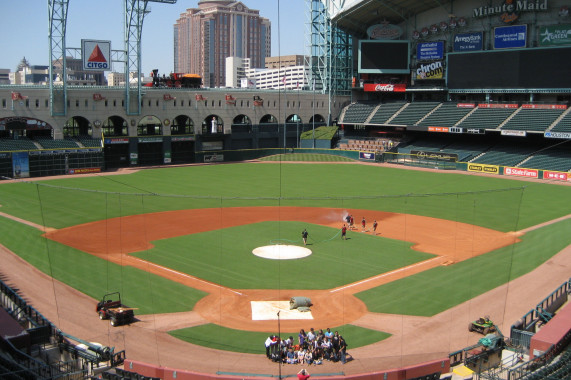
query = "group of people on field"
x=313 y=347
x=350 y=224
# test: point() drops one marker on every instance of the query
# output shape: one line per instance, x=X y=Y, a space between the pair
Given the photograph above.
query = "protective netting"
x=186 y=264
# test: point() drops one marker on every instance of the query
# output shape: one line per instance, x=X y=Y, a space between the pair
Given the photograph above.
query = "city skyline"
x=29 y=35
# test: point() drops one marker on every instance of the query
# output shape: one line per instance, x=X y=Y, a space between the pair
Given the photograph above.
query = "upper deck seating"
x=446 y=116
x=413 y=113
x=385 y=112
x=358 y=112
x=486 y=118
x=532 y=119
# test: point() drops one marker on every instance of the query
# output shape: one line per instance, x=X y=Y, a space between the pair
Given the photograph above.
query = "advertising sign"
x=117 y=141
x=84 y=170
x=20 y=165
x=430 y=51
x=518 y=172
x=426 y=155
x=213 y=157
x=509 y=37
x=438 y=129
x=555 y=35
x=366 y=156
x=433 y=70
x=96 y=55
x=384 y=31
x=384 y=87
x=560 y=176
x=468 y=41
x=508 y=132
x=480 y=168
x=557 y=135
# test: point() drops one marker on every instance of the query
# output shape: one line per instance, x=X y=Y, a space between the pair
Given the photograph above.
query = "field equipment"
x=300 y=303
x=111 y=307
x=482 y=326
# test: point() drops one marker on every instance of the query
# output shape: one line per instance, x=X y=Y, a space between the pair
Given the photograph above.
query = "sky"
x=25 y=29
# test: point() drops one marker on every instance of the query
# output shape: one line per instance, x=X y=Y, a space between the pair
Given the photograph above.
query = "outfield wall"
x=446 y=162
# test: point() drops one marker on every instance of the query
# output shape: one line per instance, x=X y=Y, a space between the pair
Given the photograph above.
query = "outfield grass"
x=353 y=186
x=225 y=256
x=222 y=338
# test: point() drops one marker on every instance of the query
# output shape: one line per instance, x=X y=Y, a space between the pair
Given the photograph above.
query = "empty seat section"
x=446 y=116
x=564 y=125
x=89 y=142
x=413 y=113
x=48 y=143
x=486 y=118
x=466 y=151
x=506 y=154
x=556 y=159
x=532 y=119
x=385 y=112
x=358 y=112
x=13 y=145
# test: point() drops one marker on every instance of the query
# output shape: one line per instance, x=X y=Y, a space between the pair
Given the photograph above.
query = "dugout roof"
x=356 y=19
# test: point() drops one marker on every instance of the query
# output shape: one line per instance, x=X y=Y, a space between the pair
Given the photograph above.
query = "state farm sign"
x=529 y=173
x=384 y=87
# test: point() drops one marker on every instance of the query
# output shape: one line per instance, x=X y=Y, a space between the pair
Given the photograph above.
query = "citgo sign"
x=96 y=55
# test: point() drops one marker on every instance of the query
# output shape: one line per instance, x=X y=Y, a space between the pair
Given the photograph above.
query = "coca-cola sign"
x=384 y=87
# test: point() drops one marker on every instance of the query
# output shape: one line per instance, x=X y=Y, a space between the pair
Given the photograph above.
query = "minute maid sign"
x=96 y=55
x=509 y=10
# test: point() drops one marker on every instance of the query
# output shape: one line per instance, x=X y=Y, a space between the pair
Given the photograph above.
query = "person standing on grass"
x=344 y=232
x=304 y=235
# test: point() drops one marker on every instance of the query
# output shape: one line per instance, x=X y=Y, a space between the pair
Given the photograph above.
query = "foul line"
x=185 y=275
x=386 y=274
x=27 y=222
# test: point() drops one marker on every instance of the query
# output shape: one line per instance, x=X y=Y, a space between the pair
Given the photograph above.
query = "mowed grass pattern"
x=225 y=256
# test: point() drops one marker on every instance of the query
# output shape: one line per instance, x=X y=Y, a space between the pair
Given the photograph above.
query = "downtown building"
x=205 y=36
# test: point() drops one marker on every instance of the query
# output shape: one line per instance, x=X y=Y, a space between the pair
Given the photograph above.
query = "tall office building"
x=205 y=36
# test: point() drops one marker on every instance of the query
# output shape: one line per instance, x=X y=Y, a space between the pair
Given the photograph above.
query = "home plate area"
x=268 y=310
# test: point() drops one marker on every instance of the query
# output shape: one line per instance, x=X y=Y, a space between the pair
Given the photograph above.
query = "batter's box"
x=268 y=311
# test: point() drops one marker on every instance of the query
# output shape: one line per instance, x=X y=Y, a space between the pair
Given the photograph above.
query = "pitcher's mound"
x=281 y=252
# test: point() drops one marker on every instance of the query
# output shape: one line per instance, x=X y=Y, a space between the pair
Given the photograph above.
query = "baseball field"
x=178 y=244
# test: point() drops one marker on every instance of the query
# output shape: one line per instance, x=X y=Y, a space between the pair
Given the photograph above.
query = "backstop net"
x=400 y=285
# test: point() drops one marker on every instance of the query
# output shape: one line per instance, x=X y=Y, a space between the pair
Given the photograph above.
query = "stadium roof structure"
x=354 y=17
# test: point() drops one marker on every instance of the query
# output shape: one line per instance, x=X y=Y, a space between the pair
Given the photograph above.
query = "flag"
x=18 y=96
x=284 y=80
